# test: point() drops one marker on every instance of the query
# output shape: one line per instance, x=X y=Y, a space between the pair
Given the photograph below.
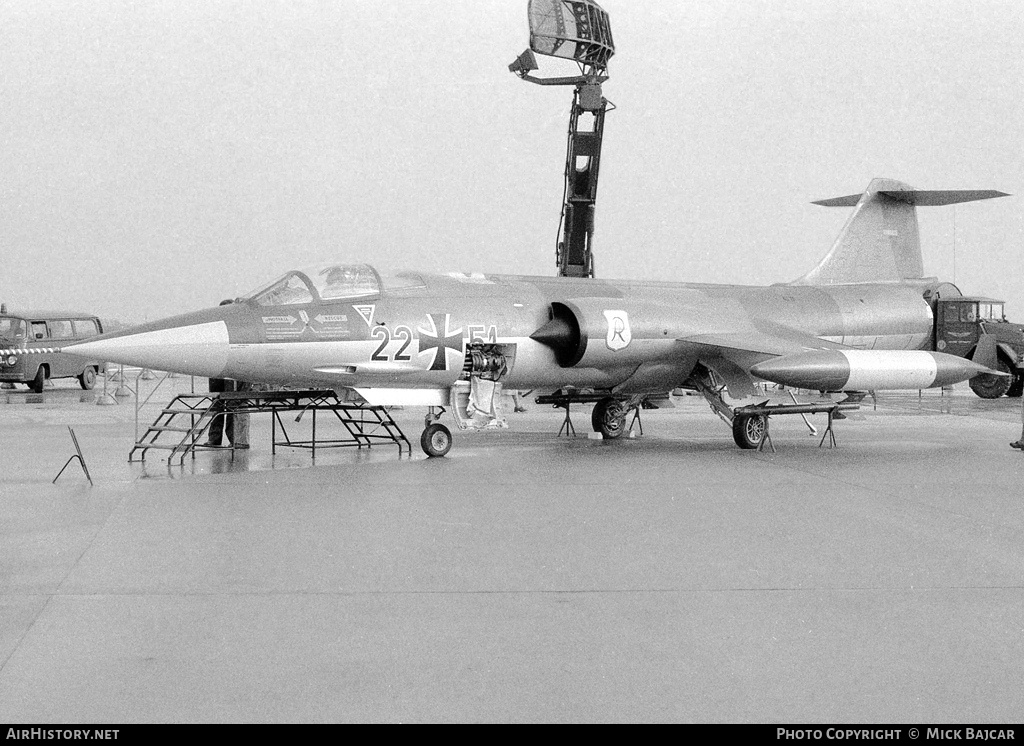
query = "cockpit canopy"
x=330 y=282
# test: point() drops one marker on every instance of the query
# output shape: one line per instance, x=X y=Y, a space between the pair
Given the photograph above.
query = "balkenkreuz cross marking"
x=440 y=339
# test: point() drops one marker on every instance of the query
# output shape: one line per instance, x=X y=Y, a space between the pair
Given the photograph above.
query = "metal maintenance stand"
x=829 y=433
x=189 y=416
x=767 y=411
x=636 y=419
x=766 y=436
x=567 y=425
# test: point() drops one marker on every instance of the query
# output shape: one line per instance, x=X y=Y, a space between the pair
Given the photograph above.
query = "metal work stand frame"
x=768 y=410
x=636 y=419
x=766 y=436
x=364 y=424
x=829 y=432
x=356 y=427
x=567 y=425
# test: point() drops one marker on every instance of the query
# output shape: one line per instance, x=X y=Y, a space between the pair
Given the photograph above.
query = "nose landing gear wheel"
x=748 y=430
x=436 y=440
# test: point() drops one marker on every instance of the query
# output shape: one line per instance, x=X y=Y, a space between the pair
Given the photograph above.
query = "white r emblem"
x=619 y=334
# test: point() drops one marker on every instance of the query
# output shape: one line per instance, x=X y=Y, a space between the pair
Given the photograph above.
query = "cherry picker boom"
x=577 y=30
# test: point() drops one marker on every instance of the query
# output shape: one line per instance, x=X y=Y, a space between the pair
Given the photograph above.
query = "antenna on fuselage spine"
x=576 y=30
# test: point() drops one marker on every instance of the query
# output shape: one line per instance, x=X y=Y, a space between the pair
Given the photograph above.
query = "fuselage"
x=414 y=331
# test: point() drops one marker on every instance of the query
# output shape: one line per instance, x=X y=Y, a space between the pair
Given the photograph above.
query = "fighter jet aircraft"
x=859 y=321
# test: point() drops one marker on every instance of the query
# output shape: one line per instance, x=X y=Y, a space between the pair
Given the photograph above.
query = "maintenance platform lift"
x=576 y=30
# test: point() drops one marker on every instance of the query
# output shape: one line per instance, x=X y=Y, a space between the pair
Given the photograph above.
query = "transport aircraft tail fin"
x=880 y=242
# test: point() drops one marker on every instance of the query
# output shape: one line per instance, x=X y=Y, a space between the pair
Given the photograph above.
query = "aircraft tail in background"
x=880 y=241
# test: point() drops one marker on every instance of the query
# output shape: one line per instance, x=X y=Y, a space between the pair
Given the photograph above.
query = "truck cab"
x=959 y=324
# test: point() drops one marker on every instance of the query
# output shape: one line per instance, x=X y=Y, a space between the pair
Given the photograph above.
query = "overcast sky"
x=157 y=157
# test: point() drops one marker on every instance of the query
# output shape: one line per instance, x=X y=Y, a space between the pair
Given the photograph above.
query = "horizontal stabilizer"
x=850 y=200
x=937 y=198
x=922 y=197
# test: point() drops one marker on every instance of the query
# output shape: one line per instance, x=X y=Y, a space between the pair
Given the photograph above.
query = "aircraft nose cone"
x=193 y=344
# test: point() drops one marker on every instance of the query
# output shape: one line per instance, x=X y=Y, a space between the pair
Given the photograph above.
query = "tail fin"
x=880 y=242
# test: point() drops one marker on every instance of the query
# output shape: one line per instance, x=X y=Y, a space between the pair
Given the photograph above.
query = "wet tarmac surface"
x=525 y=577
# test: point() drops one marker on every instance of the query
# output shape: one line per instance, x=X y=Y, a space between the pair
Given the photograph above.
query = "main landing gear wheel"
x=436 y=440
x=609 y=418
x=992 y=387
x=87 y=379
x=748 y=430
x=39 y=381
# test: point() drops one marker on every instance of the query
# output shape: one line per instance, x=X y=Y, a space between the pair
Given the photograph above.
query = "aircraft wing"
x=732 y=354
x=761 y=344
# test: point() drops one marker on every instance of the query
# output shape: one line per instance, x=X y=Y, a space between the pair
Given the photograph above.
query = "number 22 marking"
x=384 y=335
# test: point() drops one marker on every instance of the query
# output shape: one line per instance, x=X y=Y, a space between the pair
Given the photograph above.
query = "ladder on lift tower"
x=574 y=255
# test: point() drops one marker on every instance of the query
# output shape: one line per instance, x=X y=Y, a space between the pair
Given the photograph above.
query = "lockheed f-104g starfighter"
x=861 y=320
